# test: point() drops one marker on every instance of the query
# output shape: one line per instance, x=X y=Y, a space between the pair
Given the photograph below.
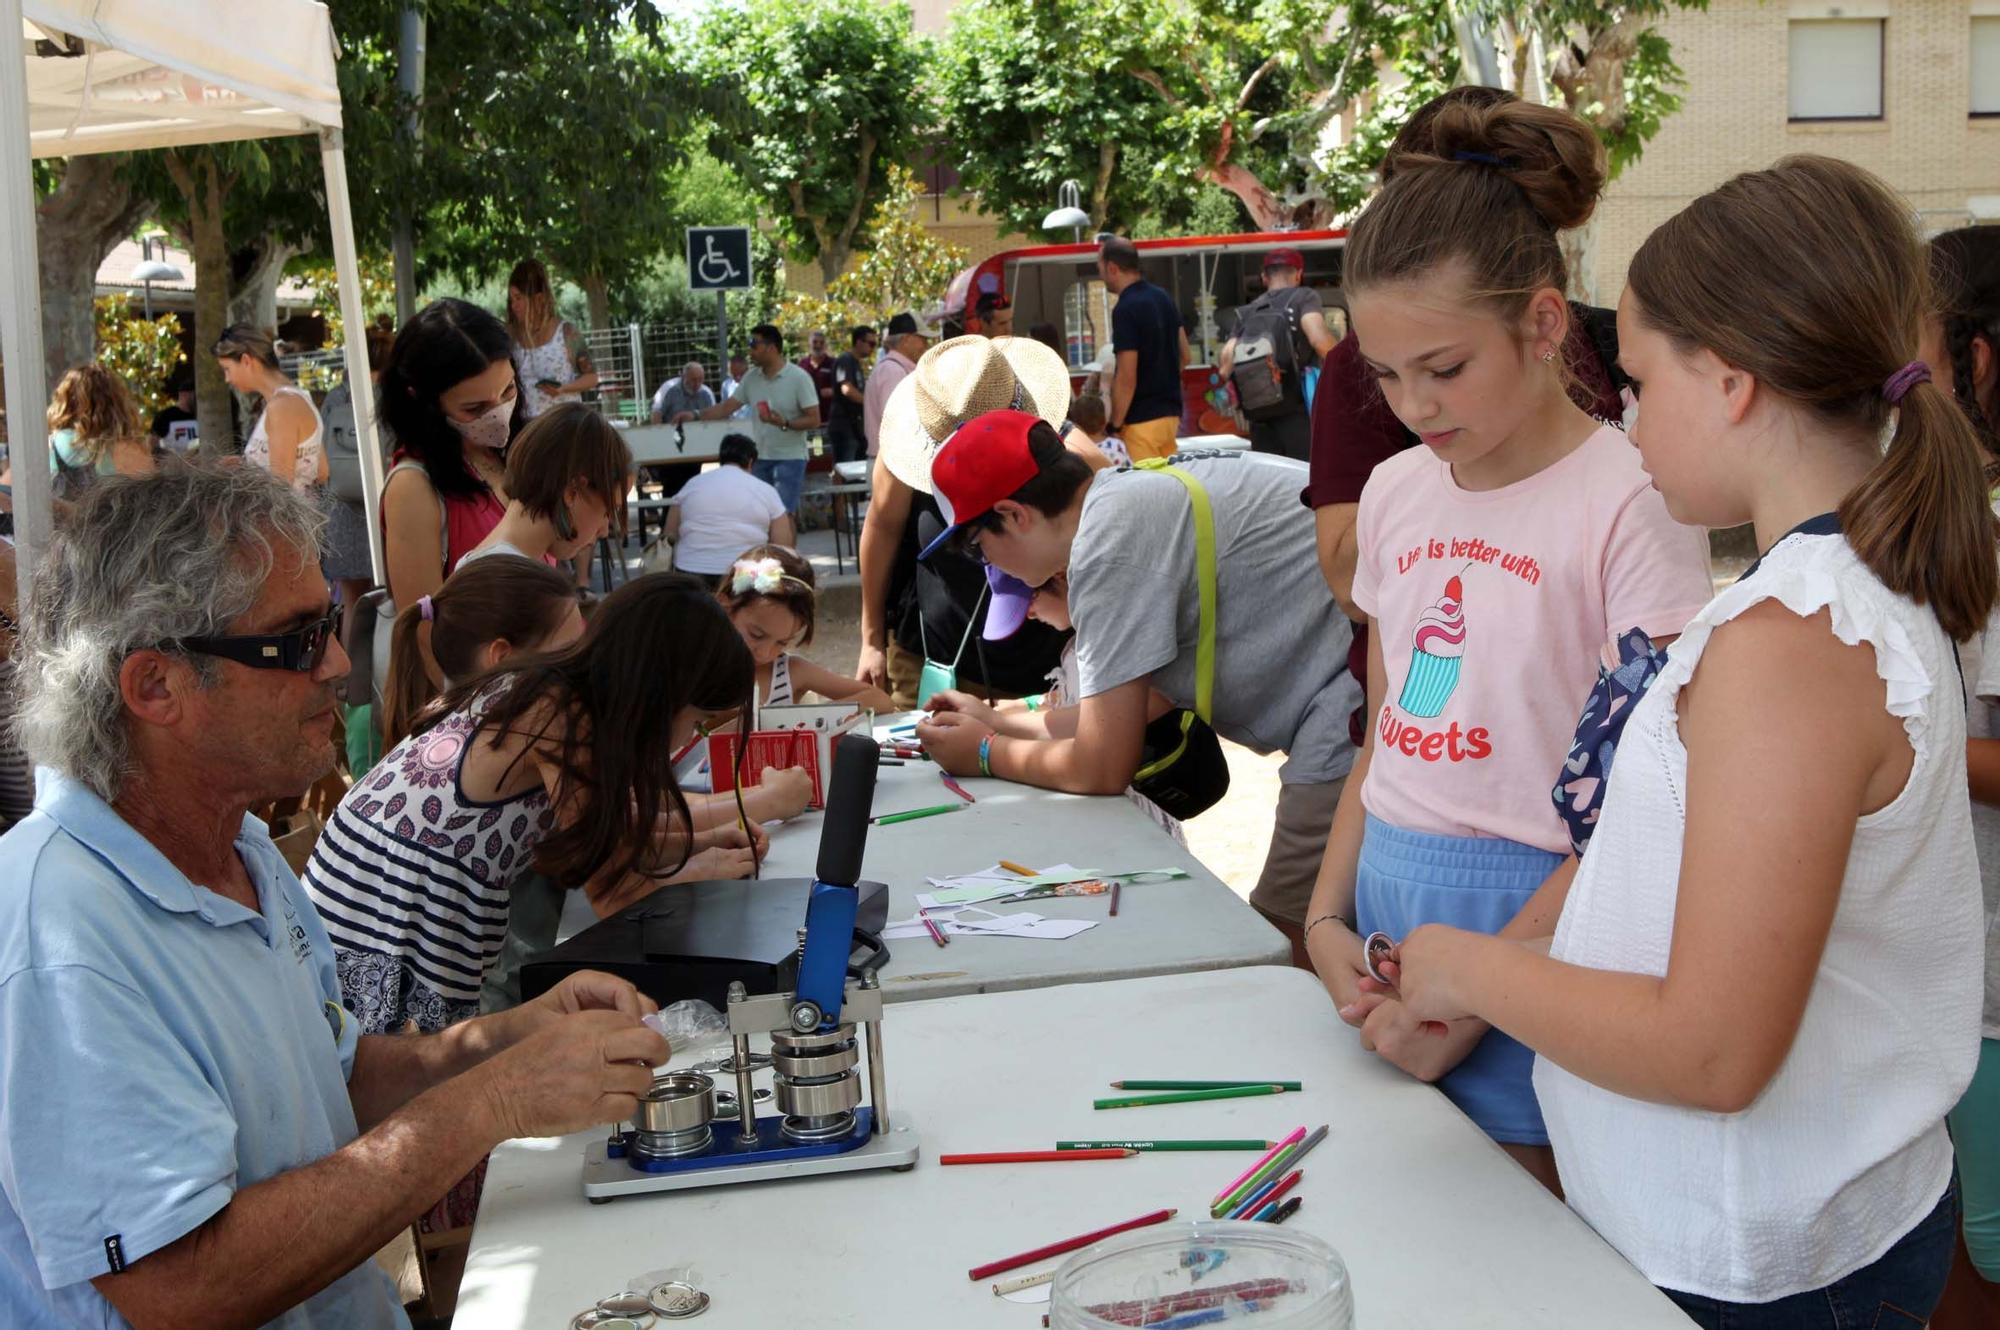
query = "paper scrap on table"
x=990 y=884
x=978 y=922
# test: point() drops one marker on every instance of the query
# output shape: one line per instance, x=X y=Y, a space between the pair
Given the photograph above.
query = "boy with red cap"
x=1028 y=506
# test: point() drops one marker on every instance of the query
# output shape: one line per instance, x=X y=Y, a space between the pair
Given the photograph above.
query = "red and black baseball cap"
x=1285 y=258
x=984 y=461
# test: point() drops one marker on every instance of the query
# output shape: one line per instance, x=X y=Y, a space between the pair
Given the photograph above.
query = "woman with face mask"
x=446 y=396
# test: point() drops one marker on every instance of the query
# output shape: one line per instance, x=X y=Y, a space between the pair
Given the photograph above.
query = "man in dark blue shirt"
x=1151 y=346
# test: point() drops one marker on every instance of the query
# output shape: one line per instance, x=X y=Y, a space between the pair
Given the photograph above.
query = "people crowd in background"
x=1462 y=566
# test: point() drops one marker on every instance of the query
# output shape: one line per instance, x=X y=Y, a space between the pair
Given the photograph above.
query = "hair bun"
x=1555 y=159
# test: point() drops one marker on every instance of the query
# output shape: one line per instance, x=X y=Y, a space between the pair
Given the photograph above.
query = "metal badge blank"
x=1377 y=948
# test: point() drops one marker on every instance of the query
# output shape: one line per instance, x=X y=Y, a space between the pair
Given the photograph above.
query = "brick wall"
x=1734 y=118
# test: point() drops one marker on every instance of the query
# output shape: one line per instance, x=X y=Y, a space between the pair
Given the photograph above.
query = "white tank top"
x=305 y=463
x=1845 y=1150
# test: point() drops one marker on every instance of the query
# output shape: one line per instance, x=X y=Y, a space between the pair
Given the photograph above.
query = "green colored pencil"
x=887 y=818
x=1187 y=1096
x=1164 y=1145
x=1203 y=1085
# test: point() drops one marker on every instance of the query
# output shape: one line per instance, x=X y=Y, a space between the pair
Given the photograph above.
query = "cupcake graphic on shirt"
x=1437 y=652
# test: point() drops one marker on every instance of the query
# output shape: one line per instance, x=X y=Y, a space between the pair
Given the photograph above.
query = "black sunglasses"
x=300 y=650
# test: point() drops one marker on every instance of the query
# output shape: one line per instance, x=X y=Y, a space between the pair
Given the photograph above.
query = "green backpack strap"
x=1204 y=652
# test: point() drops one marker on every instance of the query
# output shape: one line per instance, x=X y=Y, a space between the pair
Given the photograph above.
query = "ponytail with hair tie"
x=425 y=610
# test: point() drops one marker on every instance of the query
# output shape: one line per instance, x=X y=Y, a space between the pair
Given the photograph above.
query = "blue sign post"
x=718 y=260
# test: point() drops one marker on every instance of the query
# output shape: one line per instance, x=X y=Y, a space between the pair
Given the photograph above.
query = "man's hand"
x=683 y=417
x=872 y=667
x=952 y=740
x=580 y=1071
x=592 y=990
x=964 y=704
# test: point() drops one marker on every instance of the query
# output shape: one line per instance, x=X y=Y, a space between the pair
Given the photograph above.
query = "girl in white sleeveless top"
x=286 y=438
x=1764 y=991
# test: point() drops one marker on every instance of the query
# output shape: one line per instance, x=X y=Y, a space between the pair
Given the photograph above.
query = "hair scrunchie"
x=1897 y=386
x=425 y=609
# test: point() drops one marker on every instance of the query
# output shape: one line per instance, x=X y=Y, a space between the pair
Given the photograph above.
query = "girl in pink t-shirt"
x=1496 y=564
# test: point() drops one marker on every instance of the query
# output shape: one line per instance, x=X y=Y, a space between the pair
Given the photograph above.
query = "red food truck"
x=1208 y=277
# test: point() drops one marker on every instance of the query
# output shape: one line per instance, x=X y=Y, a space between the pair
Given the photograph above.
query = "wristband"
x=986 y=755
x=1343 y=919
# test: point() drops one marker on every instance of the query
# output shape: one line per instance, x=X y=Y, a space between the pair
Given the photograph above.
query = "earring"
x=1549 y=356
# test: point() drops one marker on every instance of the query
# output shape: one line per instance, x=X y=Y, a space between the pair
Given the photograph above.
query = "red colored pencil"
x=937 y=934
x=1035 y=1156
x=1082 y=1240
x=1277 y=1193
x=956 y=788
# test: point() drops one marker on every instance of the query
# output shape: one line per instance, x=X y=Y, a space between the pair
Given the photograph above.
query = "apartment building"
x=1910 y=90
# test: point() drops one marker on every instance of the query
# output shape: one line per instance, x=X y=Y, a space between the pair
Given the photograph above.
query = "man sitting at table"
x=1030 y=507
x=190 y=1131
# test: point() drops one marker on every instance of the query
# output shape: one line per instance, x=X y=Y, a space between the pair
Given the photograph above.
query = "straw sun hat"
x=960 y=380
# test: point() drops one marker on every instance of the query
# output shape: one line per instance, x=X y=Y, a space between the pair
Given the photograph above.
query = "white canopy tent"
x=121 y=75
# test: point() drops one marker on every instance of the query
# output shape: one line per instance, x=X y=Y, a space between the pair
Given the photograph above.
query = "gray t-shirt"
x=1979 y=660
x=791 y=393
x=1281 y=680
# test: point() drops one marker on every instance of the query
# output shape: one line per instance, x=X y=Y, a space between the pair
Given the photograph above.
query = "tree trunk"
x=1579 y=251
x=1263 y=206
x=255 y=272
x=205 y=190
x=76 y=228
x=1100 y=190
x=597 y=298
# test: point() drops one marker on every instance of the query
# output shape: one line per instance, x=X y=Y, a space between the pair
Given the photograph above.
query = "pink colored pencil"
x=1275 y=1151
x=937 y=934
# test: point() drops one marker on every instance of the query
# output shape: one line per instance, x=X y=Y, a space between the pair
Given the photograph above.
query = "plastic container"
x=1217 y=1272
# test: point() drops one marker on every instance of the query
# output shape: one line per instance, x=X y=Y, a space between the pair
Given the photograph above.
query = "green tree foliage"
x=830 y=95
x=144 y=352
x=903 y=267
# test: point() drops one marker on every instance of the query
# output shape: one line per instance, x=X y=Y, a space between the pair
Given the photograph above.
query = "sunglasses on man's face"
x=300 y=650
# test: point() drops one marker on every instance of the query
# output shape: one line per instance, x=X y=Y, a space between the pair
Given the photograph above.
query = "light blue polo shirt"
x=160 y=1047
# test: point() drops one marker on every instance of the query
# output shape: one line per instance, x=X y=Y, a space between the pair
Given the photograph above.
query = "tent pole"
x=21 y=313
x=354 y=336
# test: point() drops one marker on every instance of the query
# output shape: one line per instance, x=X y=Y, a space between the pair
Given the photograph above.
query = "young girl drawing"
x=770 y=596
x=1494 y=564
x=559 y=762
x=1764 y=992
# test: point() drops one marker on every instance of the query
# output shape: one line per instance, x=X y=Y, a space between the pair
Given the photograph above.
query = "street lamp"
x=152 y=270
x=1069 y=211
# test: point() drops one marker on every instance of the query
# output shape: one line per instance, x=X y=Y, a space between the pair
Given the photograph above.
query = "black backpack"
x=1268 y=371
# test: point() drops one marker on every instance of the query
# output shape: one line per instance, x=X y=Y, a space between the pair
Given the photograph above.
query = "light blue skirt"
x=1479 y=883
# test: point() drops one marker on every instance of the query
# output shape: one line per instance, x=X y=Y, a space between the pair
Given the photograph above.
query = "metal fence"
x=632 y=361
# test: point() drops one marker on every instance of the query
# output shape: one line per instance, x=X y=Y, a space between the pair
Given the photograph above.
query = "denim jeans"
x=786 y=476
x=1896 y=1293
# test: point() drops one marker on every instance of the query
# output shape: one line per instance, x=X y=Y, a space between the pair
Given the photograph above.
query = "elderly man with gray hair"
x=191 y=1132
x=680 y=399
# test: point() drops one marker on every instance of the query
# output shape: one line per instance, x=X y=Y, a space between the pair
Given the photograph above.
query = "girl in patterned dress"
x=413 y=872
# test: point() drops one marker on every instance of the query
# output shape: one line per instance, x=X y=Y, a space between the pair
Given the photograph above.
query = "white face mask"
x=488 y=429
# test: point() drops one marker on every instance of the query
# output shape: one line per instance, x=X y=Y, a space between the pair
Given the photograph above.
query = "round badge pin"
x=1377 y=948
x=677 y=1300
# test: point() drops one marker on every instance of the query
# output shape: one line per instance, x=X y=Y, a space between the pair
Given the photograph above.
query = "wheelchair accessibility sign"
x=718 y=258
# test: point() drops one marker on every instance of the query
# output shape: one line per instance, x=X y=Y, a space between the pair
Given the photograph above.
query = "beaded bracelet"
x=986 y=755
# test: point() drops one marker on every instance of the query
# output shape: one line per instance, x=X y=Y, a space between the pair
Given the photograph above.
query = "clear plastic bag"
x=696 y=1032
